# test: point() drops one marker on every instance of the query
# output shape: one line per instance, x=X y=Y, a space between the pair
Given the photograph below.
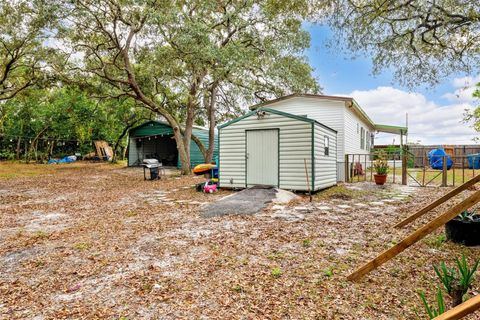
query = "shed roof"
x=281 y=113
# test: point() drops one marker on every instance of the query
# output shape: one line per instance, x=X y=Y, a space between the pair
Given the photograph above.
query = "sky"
x=434 y=114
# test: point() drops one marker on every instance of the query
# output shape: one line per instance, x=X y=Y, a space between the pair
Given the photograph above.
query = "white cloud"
x=464 y=88
x=428 y=122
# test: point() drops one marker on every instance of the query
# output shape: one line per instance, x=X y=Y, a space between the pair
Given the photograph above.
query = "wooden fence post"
x=404 y=166
x=347 y=169
x=444 y=171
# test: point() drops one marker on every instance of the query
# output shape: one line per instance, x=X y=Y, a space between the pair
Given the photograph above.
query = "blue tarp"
x=435 y=158
x=68 y=159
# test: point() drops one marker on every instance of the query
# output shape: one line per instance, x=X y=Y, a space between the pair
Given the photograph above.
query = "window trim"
x=362 y=138
x=326 y=145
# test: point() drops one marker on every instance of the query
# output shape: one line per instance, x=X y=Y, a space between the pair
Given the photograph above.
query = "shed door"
x=262 y=157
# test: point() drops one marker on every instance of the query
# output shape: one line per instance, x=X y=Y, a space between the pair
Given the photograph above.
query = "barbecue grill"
x=153 y=166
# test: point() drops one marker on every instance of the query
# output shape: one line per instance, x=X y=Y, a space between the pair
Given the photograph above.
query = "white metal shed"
x=270 y=147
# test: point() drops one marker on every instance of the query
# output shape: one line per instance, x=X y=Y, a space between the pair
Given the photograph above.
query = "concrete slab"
x=324 y=208
x=248 y=201
x=361 y=205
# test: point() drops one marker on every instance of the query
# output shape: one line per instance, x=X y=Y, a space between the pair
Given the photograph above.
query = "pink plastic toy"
x=210 y=187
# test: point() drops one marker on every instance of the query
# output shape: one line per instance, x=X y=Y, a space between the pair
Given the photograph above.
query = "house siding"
x=334 y=114
x=326 y=112
x=352 y=137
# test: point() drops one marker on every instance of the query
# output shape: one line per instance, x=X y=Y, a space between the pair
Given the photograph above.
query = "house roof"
x=281 y=113
x=349 y=102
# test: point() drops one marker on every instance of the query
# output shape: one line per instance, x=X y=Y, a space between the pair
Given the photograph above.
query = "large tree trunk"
x=211 y=122
x=19 y=144
x=191 y=104
x=182 y=141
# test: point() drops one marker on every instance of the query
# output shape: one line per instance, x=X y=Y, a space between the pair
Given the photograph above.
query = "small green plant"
x=276 y=255
x=306 y=243
x=40 y=234
x=381 y=164
x=276 y=272
x=328 y=272
x=82 y=246
x=432 y=311
x=468 y=216
x=436 y=242
x=131 y=213
x=457 y=281
x=238 y=288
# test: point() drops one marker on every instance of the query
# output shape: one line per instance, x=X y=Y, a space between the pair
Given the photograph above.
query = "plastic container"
x=474 y=161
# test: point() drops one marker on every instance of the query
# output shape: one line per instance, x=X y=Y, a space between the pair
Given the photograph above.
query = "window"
x=362 y=138
x=326 y=142
x=368 y=141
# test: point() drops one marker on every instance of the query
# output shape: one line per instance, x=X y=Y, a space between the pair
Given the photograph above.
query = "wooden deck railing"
x=416 y=236
x=462 y=310
x=439 y=201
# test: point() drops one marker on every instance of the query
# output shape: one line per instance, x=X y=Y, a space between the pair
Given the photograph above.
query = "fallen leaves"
x=97 y=241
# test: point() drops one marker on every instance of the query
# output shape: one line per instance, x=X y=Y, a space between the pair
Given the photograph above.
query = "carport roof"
x=155 y=128
x=391 y=129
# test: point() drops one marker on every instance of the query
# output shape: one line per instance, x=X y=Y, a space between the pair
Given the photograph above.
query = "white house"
x=271 y=147
x=355 y=129
x=284 y=142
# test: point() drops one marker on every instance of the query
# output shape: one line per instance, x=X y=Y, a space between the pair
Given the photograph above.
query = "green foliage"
x=276 y=272
x=65 y=118
x=418 y=39
x=468 y=216
x=466 y=274
x=431 y=310
x=446 y=275
x=381 y=164
x=328 y=272
x=23 y=50
x=437 y=241
x=306 y=243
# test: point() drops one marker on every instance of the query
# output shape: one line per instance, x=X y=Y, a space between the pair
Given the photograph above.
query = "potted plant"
x=381 y=168
x=465 y=228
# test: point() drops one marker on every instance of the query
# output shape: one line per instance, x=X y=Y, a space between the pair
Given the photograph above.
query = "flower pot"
x=462 y=231
x=380 y=179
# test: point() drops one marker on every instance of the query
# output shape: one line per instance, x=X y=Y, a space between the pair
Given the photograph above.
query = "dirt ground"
x=97 y=241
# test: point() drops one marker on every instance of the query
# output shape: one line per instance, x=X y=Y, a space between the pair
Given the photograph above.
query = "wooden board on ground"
x=462 y=310
x=439 y=201
x=103 y=149
x=415 y=236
